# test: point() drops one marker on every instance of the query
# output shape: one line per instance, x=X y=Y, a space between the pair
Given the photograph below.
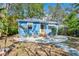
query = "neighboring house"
x=37 y=27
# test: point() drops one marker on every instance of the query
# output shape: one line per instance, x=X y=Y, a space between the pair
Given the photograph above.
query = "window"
x=30 y=26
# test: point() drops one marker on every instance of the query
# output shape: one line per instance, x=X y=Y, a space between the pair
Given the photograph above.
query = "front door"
x=42 y=30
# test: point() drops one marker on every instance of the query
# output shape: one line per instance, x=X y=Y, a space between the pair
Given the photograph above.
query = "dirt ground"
x=31 y=49
x=73 y=42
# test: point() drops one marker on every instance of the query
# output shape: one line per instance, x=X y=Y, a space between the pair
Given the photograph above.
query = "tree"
x=3 y=21
x=26 y=10
x=35 y=10
x=20 y=10
x=71 y=20
x=72 y=23
x=57 y=12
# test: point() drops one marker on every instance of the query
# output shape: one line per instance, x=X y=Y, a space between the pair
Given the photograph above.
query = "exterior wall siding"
x=23 y=31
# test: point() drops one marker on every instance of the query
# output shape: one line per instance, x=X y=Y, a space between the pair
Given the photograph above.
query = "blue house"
x=36 y=28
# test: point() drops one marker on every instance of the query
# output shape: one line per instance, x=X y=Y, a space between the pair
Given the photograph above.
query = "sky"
x=63 y=5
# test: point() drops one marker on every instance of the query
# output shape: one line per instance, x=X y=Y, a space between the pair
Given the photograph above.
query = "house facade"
x=37 y=28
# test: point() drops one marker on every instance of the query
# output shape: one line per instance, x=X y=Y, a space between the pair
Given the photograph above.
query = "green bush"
x=73 y=24
x=13 y=26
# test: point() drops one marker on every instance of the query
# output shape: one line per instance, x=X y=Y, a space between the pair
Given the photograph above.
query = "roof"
x=37 y=20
